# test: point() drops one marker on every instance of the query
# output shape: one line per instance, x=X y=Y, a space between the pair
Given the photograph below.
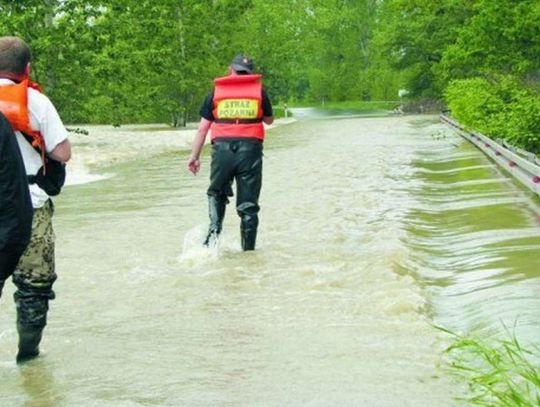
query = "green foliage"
x=120 y=61
x=501 y=37
x=501 y=374
x=502 y=108
x=412 y=36
x=340 y=38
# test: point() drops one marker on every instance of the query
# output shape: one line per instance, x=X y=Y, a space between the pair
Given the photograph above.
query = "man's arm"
x=194 y=164
x=53 y=130
x=268 y=113
x=62 y=151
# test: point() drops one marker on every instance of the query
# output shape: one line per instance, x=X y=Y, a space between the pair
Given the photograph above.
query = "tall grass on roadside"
x=502 y=373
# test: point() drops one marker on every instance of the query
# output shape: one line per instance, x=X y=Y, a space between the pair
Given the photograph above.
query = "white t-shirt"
x=45 y=119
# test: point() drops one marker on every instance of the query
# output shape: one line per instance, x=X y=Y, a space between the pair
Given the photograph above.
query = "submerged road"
x=372 y=231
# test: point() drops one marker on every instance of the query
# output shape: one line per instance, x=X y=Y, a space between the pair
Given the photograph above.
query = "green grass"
x=359 y=105
x=279 y=112
x=502 y=373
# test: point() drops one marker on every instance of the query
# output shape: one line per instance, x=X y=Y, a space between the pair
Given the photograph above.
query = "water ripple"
x=476 y=241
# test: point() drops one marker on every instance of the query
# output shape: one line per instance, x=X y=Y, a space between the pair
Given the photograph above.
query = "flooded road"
x=372 y=230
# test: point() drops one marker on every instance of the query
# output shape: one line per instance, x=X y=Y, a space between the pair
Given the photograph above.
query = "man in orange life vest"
x=234 y=112
x=42 y=138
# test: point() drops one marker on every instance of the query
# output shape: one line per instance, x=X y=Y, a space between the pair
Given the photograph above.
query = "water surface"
x=372 y=230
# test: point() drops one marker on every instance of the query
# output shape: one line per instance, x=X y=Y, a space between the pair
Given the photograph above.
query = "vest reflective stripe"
x=14 y=105
x=238 y=107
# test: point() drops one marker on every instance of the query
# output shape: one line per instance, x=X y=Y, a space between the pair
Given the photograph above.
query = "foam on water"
x=78 y=174
x=195 y=254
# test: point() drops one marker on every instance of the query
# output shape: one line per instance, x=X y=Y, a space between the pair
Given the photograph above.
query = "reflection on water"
x=39 y=386
x=476 y=239
x=371 y=230
x=32 y=385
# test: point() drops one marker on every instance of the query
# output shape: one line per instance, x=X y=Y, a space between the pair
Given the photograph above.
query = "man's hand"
x=194 y=165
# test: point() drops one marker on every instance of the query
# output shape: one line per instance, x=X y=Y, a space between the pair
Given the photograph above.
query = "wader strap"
x=40 y=151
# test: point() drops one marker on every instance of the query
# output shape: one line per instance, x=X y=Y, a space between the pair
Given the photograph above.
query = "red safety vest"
x=238 y=107
x=14 y=105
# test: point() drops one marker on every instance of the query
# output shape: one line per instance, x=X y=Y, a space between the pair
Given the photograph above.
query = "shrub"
x=502 y=108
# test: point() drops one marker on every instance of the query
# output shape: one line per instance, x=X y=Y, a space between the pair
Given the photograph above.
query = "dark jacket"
x=15 y=203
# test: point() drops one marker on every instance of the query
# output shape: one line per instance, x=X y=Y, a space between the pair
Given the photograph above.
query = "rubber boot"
x=249 y=237
x=29 y=339
x=32 y=306
x=216 y=212
x=248 y=230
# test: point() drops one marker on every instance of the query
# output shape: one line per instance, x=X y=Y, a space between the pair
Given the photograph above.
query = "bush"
x=502 y=108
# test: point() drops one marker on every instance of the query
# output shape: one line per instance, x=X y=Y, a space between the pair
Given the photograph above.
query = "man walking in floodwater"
x=43 y=142
x=235 y=112
x=15 y=204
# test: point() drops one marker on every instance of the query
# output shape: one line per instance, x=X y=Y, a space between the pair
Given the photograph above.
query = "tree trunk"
x=48 y=21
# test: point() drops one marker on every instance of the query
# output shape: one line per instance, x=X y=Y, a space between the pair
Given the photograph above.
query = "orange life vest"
x=14 y=105
x=238 y=107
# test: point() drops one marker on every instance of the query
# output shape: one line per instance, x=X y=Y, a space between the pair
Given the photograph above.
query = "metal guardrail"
x=525 y=154
x=524 y=169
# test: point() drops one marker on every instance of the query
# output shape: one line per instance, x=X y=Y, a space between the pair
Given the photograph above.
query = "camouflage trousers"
x=35 y=273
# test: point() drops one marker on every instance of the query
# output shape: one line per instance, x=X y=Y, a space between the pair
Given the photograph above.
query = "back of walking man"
x=42 y=138
x=15 y=203
x=235 y=112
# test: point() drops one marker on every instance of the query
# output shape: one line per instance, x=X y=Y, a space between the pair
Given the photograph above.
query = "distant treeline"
x=119 y=61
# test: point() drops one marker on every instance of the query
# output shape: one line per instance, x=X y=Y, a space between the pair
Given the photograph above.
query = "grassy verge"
x=358 y=105
x=279 y=112
x=498 y=374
